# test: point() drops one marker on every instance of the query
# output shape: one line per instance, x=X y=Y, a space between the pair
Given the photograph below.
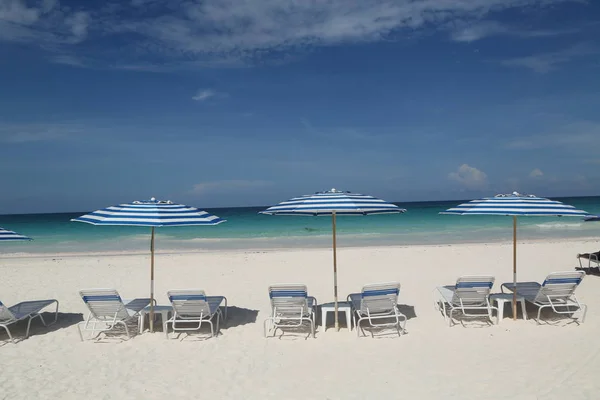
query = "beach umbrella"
x=333 y=202
x=152 y=213
x=6 y=235
x=516 y=205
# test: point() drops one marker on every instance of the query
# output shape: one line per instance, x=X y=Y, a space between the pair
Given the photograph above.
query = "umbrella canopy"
x=515 y=205
x=334 y=202
x=6 y=235
x=152 y=213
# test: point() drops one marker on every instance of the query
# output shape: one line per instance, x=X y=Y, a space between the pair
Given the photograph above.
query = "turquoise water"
x=246 y=229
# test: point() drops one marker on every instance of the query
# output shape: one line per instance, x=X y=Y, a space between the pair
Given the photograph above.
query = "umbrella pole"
x=514 y=299
x=335 y=287
x=152 y=282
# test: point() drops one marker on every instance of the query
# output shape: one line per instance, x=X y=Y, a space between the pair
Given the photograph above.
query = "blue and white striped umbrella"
x=152 y=213
x=334 y=202
x=516 y=205
x=6 y=235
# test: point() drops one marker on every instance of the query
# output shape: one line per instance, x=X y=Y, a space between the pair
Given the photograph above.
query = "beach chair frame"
x=591 y=257
x=291 y=307
x=193 y=306
x=470 y=293
x=377 y=302
x=107 y=311
x=557 y=292
x=25 y=310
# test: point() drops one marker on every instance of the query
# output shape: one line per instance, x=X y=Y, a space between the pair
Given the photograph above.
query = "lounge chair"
x=556 y=292
x=378 y=304
x=291 y=307
x=469 y=297
x=591 y=257
x=108 y=310
x=192 y=306
x=26 y=310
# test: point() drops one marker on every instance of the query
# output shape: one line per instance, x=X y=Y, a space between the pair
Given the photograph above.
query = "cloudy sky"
x=250 y=102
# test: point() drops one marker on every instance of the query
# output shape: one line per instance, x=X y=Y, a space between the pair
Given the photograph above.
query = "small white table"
x=343 y=306
x=502 y=298
x=164 y=311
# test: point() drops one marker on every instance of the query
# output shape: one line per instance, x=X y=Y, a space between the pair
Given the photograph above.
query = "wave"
x=560 y=225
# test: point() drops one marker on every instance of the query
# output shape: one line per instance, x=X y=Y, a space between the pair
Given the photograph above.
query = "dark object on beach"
x=592 y=218
x=591 y=257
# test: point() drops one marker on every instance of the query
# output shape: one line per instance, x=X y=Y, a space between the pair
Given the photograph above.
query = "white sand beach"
x=513 y=360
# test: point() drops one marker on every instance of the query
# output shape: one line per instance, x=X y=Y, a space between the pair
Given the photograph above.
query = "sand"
x=513 y=360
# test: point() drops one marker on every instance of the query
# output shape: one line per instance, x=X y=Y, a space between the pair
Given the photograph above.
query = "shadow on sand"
x=64 y=320
x=236 y=317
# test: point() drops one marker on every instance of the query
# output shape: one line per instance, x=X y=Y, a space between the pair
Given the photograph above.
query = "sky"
x=252 y=102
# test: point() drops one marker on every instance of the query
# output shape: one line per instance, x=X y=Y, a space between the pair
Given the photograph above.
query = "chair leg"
x=29 y=325
x=8 y=332
x=126 y=328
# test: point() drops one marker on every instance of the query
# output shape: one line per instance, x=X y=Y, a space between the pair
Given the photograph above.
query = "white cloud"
x=536 y=173
x=208 y=32
x=204 y=94
x=68 y=60
x=546 y=62
x=582 y=136
x=25 y=133
x=480 y=30
x=469 y=177
x=45 y=23
x=78 y=23
x=228 y=186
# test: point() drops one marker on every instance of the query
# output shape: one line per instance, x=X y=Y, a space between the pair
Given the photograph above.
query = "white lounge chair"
x=469 y=297
x=108 y=311
x=556 y=292
x=378 y=304
x=26 y=310
x=591 y=258
x=192 y=306
x=291 y=307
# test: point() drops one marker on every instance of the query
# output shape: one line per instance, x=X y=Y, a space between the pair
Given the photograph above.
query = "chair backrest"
x=289 y=299
x=559 y=286
x=104 y=304
x=379 y=297
x=189 y=302
x=5 y=314
x=472 y=290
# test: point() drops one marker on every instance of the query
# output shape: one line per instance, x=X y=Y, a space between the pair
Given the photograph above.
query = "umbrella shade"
x=6 y=235
x=515 y=205
x=334 y=202
x=152 y=213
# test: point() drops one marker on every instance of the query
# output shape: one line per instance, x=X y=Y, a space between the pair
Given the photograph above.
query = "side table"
x=164 y=311
x=343 y=306
x=503 y=298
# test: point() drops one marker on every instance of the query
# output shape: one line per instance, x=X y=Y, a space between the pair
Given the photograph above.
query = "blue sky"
x=250 y=102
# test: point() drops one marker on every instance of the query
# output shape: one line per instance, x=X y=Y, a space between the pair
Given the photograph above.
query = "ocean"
x=246 y=229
